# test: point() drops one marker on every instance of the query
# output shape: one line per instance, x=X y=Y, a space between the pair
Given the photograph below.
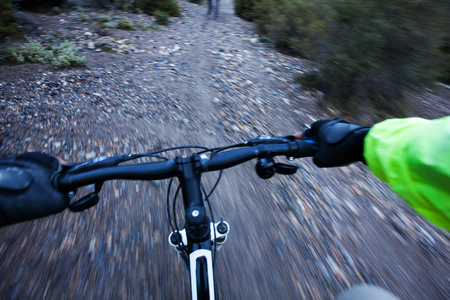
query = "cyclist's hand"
x=28 y=188
x=339 y=142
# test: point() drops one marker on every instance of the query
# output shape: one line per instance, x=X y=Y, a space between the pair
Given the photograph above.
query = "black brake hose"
x=212 y=219
x=174 y=207
x=168 y=204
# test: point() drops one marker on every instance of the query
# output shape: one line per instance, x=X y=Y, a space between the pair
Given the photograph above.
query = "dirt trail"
x=208 y=82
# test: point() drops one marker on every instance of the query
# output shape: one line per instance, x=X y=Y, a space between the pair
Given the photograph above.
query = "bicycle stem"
x=189 y=174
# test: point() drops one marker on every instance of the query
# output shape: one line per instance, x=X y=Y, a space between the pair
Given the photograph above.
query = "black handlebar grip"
x=306 y=148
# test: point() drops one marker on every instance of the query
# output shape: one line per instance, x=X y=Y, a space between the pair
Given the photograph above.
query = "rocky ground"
x=207 y=82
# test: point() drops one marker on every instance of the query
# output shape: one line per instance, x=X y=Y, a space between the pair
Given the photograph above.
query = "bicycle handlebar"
x=295 y=149
x=167 y=169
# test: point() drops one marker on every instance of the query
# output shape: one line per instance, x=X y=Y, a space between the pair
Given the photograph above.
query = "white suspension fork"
x=193 y=267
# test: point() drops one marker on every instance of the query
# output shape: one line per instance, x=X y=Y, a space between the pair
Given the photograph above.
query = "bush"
x=124 y=24
x=103 y=18
x=290 y=23
x=55 y=11
x=8 y=24
x=37 y=5
x=66 y=55
x=161 y=18
x=377 y=50
x=61 y=56
x=150 y=6
x=245 y=9
x=442 y=56
x=368 y=52
x=127 y=5
x=30 y=52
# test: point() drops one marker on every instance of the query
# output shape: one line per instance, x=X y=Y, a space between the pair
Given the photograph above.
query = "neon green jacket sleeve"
x=413 y=156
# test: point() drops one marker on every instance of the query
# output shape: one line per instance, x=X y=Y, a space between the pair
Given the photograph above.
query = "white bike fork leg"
x=193 y=268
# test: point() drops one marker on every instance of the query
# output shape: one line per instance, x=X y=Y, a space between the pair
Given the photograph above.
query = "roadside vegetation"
x=169 y=7
x=64 y=53
x=9 y=27
x=368 y=53
x=60 y=56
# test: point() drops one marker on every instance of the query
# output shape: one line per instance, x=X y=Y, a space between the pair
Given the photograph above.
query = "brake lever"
x=285 y=169
x=87 y=201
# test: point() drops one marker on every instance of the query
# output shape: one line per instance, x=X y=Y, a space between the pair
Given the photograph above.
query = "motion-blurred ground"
x=207 y=82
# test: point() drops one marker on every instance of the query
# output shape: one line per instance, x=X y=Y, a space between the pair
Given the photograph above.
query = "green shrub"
x=61 y=56
x=55 y=11
x=142 y=27
x=83 y=17
x=127 y=5
x=442 y=57
x=66 y=55
x=377 y=50
x=368 y=52
x=161 y=18
x=109 y=25
x=196 y=1
x=9 y=27
x=149 y=6
x=30 y=52
x=245 y=9
x=37 y=5
x=292 y=24
x=103 y=18
x=124 y=24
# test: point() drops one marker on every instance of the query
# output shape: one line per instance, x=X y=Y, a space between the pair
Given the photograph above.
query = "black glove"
x=340 y=143
x=28 y=188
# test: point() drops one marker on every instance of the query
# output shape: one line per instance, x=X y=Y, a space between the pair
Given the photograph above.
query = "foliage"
x=442 y=56
x=290 y=23
x=127 y=5
x=377 y=50
x=196 y=1
x=66 y=55
x=105 y=21
x=245 y=9
x=83 y=17
x=9 y=27
x=161 y=18
x=368 y=52
x=149 y=6
x=55 y=11
x=37 y=5
x=63 y=55
x=124 y=24
x=103 y=18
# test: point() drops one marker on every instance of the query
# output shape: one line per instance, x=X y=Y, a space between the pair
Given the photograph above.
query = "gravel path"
x=208 y=82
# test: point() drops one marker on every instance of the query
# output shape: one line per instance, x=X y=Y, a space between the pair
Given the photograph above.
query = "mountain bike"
x=213 y=9
x=200 y=237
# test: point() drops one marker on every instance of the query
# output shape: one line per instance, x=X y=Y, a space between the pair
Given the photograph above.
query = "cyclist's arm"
x=413 y=156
